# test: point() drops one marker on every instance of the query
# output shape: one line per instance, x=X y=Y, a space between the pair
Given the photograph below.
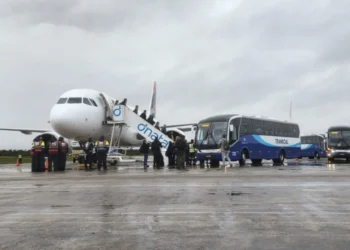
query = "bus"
x=250 y=137
x=338 y=143
x=313 y=146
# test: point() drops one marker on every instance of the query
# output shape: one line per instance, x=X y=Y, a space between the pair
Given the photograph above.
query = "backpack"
x=226 y=145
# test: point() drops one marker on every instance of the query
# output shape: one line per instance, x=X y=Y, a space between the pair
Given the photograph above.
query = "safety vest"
x=101 y=145
x=53 y=148
x=39 y=146
x=62 y=146
x=191 y=146
x=19 y=156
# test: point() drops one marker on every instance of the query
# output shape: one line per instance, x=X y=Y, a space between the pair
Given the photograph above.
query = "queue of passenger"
x=180 y=153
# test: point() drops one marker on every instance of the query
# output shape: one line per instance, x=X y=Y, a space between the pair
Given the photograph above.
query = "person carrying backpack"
x=225 y=149
x=144 y=149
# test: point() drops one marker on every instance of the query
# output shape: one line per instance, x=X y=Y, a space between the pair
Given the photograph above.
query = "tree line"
x=12 y=152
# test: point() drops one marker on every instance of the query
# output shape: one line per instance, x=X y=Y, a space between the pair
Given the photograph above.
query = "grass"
x=25 y=159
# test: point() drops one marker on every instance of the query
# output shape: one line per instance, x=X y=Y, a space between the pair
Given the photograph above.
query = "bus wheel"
x=243 y=158
x=281 y=157
x=317 y=156
x=257 y=161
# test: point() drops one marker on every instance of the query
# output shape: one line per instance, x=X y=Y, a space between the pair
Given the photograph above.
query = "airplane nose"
x=65 y=121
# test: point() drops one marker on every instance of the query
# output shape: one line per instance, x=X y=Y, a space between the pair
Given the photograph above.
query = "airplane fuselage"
x=79 y=114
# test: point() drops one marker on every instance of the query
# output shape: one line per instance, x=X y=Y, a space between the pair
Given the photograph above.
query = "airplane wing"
x=26 y=131
x=181 y=125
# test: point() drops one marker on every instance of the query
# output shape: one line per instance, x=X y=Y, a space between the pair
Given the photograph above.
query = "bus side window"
x=268 y=128
x=257 y=127
x=278 y=129
x=295 y=133
x=285 y=129
x=290 y=130
x=246 y=127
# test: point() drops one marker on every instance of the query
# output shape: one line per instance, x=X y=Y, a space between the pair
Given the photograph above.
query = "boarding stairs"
x=123 y=116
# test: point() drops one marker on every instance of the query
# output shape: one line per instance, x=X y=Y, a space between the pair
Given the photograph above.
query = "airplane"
x=82 y=113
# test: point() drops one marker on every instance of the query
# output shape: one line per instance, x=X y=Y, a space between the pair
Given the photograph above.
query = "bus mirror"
x=231 y=127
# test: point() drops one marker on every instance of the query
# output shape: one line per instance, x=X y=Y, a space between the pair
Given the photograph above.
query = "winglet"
x=153 y=103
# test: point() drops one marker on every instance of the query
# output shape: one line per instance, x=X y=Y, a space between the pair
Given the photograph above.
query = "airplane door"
x=107 y=106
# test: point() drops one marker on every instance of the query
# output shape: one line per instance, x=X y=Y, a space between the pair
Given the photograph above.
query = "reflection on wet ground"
x=299 y=205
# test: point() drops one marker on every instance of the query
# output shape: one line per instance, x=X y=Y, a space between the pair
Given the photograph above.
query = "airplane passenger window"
x=86 y=101
x=62 y=100
x=93 y=102
x=75 y=100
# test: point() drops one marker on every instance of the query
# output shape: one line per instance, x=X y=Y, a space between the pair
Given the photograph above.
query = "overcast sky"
x=208 y=57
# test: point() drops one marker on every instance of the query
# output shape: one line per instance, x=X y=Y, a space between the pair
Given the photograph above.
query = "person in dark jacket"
x=124 y=102
x=157 y=126
x=144 y=115
x=88 y=149
x=150 y=120
x=144 y=149
x=136 y=110
x=156 y=150
x=180 y=146
x=170 y=153
x=164 y=131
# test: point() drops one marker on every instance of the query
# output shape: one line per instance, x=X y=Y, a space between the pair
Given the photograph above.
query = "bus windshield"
x=339 y=139
x=210 y=133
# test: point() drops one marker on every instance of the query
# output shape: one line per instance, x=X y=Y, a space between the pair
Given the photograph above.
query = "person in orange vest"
x=39 y=150
x=102 y=147
x=62 y=154
x=53 y=156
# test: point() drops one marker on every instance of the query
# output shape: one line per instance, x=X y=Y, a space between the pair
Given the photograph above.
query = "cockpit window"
x=93 y=102
x=86 y=101
x=75 y=100
x=62 y=100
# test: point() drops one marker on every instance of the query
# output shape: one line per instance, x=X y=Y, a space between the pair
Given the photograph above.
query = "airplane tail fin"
x=153 y=103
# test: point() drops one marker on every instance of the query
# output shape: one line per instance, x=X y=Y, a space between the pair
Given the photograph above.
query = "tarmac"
x=303 y=205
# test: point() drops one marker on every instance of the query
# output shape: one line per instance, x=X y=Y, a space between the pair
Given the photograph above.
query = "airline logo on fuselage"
x=117 y=111
x=149 y=133
x=281 y=141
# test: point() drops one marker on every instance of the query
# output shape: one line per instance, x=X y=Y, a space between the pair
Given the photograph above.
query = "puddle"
x=235 y=193
x=109 y=206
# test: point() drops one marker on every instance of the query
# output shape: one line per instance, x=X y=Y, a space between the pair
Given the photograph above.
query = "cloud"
x=208 y=58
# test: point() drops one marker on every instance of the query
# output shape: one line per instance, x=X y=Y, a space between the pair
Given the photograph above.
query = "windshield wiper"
x=341 y=140
x=205 y=138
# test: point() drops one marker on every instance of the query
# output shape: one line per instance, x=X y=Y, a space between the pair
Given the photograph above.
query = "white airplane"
x=81 y=113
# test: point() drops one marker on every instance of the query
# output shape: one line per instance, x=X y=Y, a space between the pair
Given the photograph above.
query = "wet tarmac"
x=303 y=205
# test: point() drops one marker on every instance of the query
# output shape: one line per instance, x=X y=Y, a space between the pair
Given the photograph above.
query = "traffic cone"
x=46 y=164
x=17 y=163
